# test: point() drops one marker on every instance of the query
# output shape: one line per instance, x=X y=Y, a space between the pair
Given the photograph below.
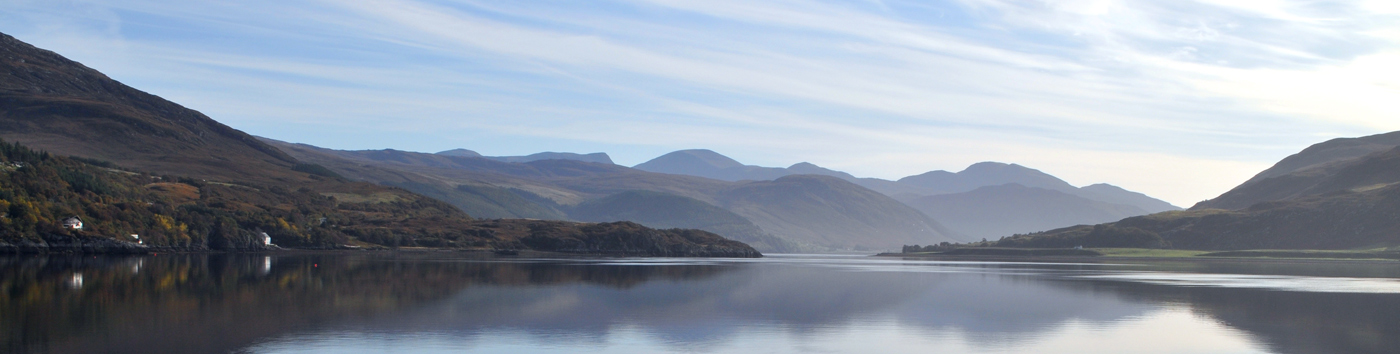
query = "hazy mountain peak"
x=705 y=157
x=990 y=166
x=459 y=153
x=596 y=157
x=1117 y=195
x=695 y=162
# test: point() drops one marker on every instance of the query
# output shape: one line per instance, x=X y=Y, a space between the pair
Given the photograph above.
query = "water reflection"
x=386 y=302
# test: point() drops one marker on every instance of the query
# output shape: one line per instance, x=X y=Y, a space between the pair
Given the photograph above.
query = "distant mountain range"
x=988 y=199
x=596 y=157
x=832 y=213
x=1339 y=194
x=803 y=214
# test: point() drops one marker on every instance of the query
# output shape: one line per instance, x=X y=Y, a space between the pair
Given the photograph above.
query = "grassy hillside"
x=51 y=103
x=1342 y=220
x=1335 y=165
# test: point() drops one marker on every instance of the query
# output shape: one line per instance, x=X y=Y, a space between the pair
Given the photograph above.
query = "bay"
x=448 y=302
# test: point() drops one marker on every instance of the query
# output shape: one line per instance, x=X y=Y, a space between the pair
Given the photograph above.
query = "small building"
x=137 y=238
x=266 y=240
x=73 y=223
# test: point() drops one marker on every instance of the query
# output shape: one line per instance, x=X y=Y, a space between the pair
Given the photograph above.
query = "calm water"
x=781 y=304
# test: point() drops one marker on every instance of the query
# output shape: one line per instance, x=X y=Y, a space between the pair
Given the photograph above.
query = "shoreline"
x=1120 y=259
x=474 y=253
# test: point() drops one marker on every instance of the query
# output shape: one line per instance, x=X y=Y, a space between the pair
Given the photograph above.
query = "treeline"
x=39 y=190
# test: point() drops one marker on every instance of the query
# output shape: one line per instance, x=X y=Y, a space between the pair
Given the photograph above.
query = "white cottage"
x=267 y=240
x=73 y=223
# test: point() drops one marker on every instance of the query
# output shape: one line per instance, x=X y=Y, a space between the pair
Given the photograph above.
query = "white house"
x=73 y=223
x=267 y=240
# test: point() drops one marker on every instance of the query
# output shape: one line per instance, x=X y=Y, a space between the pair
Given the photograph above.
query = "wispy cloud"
x=1178 y=99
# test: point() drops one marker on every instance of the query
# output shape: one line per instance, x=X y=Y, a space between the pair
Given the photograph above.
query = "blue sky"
x=1178 y=99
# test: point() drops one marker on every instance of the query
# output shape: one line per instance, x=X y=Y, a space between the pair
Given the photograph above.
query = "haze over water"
x=377 y=303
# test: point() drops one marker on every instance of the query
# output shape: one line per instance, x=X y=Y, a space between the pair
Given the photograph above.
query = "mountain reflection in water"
x=435 y=303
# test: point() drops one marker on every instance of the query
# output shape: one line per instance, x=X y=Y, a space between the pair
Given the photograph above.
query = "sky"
x=1178 y=99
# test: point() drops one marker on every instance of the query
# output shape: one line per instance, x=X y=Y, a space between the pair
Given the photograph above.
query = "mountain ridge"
x=1320 y=199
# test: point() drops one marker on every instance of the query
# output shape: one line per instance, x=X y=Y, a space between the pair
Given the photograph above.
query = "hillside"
x=146 y=166
x=995 y=211
x=822 y=210
x=50 y=103
x=1321 y=168
x=1351 y=204
x=661 y=210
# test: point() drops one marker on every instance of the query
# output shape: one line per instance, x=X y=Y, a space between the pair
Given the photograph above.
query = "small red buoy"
x=313 y=265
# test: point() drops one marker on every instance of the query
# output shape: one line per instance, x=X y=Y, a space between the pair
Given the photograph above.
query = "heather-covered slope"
x=1349 y=204
x=1325 y=167
x=50 y=103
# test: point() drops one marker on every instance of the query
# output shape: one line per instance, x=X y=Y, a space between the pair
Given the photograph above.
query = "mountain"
x=1112 y=194
x=791 y=212
x=145 y=166
x=51 y=103
x=459 y=153
x=1321 y=168
x=984 y=174
x=1045 y=201
x=828 y=211
x=661 y=210
x=1320 y=200
x=596 y=157
x=708 y=164
x=995 y=211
